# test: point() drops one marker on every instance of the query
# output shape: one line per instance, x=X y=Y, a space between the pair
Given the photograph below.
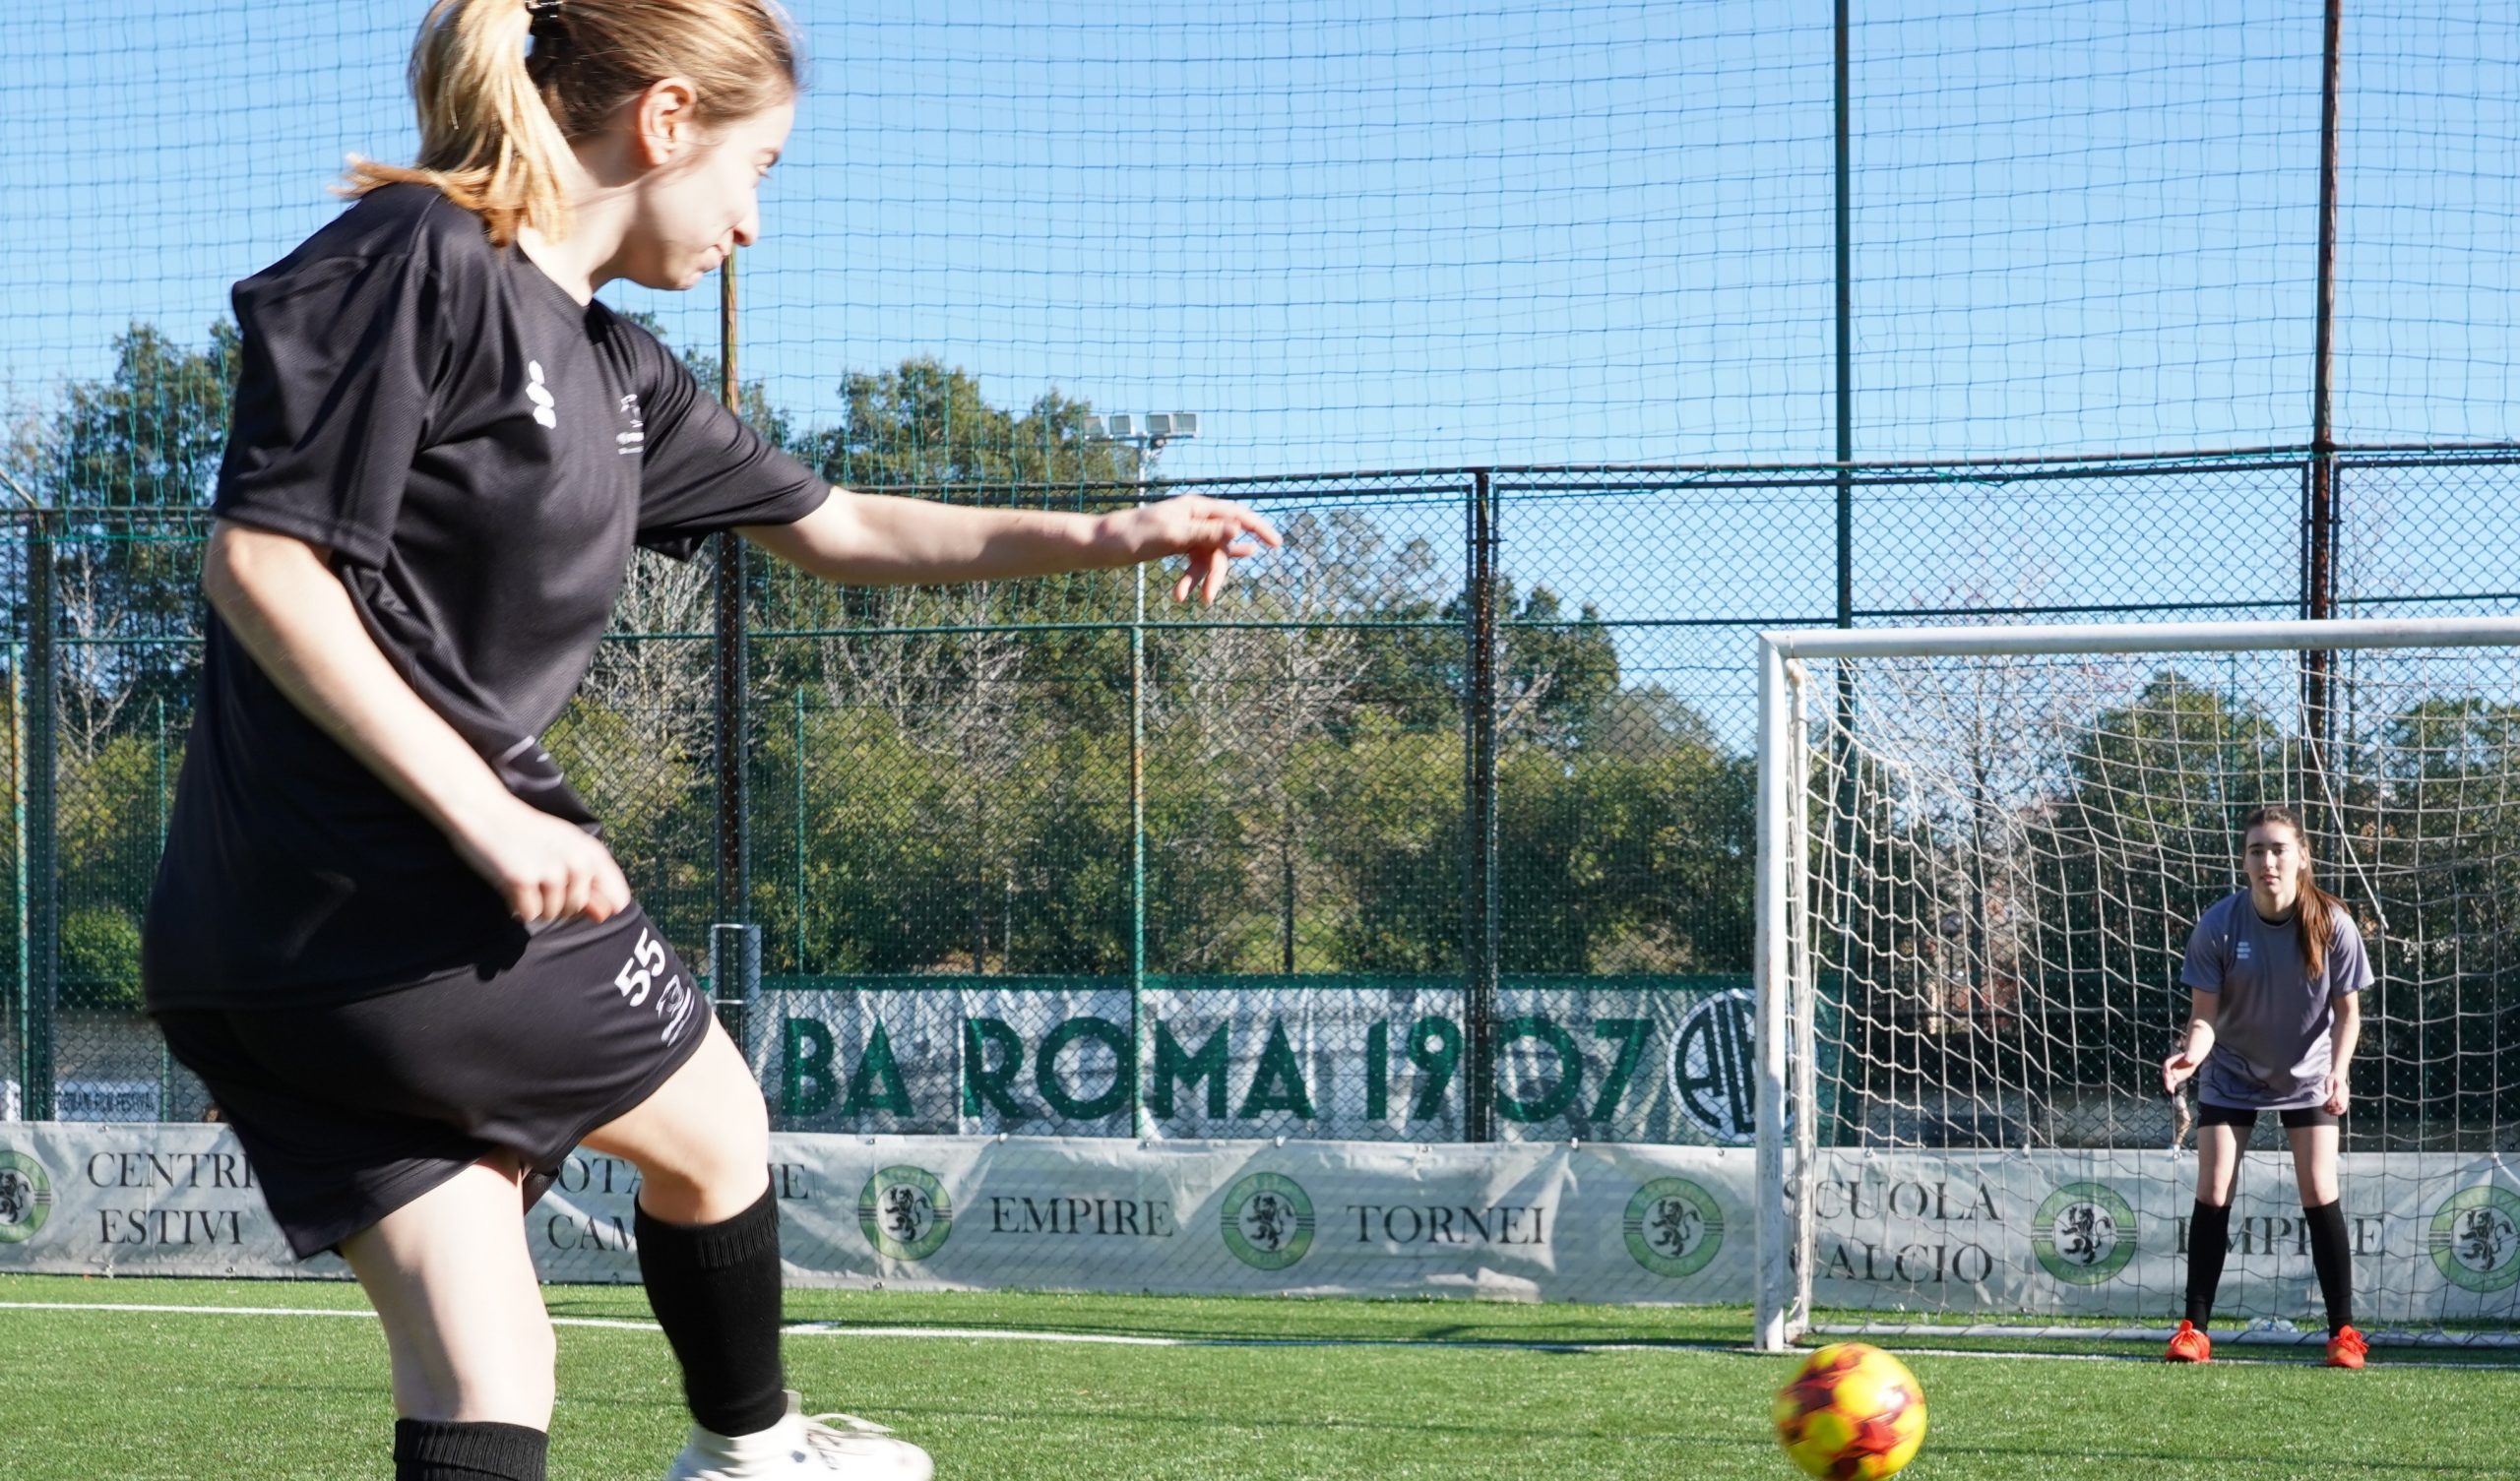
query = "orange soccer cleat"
x=2189 y=1344
x=2347 y=1348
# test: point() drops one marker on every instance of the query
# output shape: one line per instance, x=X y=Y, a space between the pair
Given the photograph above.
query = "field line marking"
x=1115 y=1339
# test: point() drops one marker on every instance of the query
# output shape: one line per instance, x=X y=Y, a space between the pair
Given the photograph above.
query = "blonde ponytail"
x=496 y=123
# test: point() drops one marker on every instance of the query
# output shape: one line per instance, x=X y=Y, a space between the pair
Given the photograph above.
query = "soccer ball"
x=1852 y=1413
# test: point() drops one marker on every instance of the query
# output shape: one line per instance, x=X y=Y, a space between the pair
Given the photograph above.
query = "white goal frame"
x=1785 y=979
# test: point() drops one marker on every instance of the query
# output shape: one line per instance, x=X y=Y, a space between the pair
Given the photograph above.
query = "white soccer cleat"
x=802 y=1449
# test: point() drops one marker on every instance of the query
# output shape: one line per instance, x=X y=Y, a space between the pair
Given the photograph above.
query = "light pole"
x=1149 y=434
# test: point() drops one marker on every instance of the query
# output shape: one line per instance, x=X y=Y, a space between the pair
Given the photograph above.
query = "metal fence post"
x=1480 y=934
x=2319 y=534
x=1138 y=1124
x=24 y=1014
x=40 y=854
x=734 y=839
x=798 y=951
x=1846 y=335
x=734 y=987
x=1844 y=826
x=162 y=800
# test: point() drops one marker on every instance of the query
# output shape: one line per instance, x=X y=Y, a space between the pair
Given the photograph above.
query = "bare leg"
x=709 y=1251
x=2315 y=1163
x=450 y=1275
x=708 y=1236
x=2217 y=1160
x=701 y=1142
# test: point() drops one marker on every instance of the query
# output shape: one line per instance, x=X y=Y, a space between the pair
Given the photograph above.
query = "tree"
x=128 y=461
x=1236 y=714
x=923 y=424
x=1554 y=675
x=124 y=463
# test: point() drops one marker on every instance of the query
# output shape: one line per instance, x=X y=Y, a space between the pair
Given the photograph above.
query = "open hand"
x=1211 y=533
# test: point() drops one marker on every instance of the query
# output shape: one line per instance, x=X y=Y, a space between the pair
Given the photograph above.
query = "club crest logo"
x=25 y=1197
x=2474 y=1239
x=2084 y=1233
x=1713 y=1067
x=1267 y=1221
x=1673 y=1227
x=904 y=1212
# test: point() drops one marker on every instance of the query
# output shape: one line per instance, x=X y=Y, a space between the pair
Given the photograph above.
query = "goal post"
x=1981 y=850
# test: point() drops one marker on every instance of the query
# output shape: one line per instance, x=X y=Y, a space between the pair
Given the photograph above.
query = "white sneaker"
x=802 y=1449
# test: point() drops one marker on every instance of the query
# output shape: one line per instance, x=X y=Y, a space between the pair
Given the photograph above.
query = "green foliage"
x=1394 y=847
x=149 y=434
x=963 y=752
x=117 y=456
x=100 y=959
x=1557 y=675
x=111 y=818
x=921 y=424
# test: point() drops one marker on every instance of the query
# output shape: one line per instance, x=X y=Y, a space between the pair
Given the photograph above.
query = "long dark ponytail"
x=2315 y=915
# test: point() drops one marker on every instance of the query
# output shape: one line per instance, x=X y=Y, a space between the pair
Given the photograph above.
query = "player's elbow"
x=220 y=582
x=835 y=542
x=246 y=571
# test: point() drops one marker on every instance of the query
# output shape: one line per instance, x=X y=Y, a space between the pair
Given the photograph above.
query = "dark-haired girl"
x=2273 y=973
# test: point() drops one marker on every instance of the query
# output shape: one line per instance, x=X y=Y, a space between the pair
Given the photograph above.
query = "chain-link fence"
x=1438 y=826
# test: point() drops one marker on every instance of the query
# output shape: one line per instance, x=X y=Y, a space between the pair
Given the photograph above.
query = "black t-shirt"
x=480 y=452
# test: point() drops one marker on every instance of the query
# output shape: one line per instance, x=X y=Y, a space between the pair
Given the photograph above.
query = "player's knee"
x=518 y=1387
x=711 y=1178
x=503 y=1377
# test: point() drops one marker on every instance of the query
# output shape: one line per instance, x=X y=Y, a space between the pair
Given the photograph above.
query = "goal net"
x=1982 y=853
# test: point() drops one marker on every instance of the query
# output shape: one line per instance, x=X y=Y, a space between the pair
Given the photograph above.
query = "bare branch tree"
x=953 y=693
x=657 y=691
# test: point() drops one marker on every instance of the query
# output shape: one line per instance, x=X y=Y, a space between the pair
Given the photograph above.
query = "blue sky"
x=1444 y=232
x=1456 y=231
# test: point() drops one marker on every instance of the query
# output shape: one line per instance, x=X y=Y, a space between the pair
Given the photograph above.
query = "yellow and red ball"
x=1851 y=1413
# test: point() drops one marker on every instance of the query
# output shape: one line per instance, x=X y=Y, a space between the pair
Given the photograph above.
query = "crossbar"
x=2143 y=638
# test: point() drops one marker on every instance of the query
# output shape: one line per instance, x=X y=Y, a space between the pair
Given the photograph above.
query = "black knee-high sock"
x=2208 y=1234
x=440 y=1449
x=714 y=1290
x=2335 y=1261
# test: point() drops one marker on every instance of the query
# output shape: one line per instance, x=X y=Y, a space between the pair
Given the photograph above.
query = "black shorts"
x=350 y=1111
x=2245 y=1117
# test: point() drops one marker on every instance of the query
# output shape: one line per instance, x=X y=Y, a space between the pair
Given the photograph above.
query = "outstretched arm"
x=875 y=540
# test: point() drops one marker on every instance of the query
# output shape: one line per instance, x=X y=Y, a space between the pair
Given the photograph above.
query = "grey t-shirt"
x=2272 y=1035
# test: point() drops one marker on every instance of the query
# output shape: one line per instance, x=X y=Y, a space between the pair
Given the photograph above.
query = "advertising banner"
x=2435 y=1236
x=1658 y=1059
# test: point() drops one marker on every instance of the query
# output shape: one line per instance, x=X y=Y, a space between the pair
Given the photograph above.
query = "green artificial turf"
x=1271 y=1388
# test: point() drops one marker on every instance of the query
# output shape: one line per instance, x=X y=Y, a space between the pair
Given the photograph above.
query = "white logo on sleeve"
x=537 y=392
x=629 y=443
